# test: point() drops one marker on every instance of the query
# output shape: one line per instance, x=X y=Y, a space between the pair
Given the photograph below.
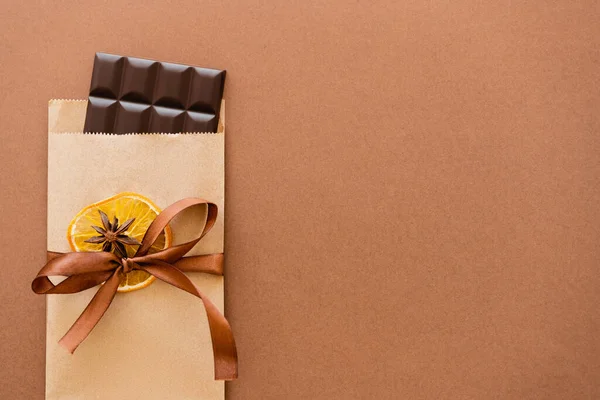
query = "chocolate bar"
x=135 y=95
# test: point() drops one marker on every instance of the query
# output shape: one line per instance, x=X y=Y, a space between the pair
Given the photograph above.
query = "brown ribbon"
x=85 y=270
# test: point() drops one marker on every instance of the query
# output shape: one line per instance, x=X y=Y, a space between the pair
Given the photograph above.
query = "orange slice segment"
x=123 y=206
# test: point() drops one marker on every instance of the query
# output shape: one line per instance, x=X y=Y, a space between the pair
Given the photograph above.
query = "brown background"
x=412 y=187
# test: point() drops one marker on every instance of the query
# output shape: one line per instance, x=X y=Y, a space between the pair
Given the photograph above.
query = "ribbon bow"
x=85 y=270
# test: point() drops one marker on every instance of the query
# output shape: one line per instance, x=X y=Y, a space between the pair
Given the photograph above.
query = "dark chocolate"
x=131 y=95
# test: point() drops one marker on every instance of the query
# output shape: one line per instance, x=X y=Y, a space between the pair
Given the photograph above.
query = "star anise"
x=112 y=236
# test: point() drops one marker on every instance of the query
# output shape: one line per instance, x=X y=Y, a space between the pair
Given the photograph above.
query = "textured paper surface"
x=152 y=343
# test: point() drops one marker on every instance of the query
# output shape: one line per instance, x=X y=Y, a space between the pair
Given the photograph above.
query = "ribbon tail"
x=92 y=313
x=224 y=349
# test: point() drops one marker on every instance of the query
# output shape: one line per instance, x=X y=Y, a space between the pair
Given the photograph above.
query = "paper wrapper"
x=152 y=343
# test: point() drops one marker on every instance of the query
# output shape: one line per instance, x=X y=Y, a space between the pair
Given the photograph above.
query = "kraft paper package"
x=152 y=343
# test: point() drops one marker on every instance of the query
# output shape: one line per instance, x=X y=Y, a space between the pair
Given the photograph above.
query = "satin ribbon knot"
x=84 y=270
x=128 y=265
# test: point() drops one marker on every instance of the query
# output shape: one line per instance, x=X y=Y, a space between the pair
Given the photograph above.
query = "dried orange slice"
x=83 y=231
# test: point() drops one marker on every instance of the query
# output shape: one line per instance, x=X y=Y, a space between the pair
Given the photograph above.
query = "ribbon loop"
x=85 y=270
